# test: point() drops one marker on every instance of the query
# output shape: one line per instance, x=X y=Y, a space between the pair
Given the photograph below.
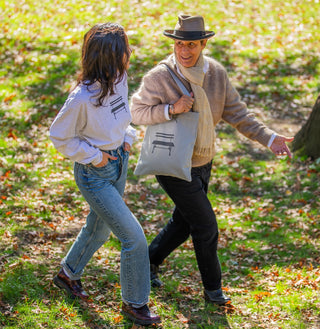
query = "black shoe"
x=72 y=287
x=216 y=297
x=155 y=281
x=140 y=315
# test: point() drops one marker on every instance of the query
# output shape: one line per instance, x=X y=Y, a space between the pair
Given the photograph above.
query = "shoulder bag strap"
x=177 y=80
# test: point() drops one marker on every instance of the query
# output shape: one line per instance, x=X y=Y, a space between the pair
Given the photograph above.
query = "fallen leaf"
x=10 y=97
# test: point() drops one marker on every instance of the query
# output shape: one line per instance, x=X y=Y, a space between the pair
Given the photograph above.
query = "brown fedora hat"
x=189 y=28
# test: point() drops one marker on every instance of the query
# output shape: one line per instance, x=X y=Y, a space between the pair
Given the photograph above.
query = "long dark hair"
x=105 y=53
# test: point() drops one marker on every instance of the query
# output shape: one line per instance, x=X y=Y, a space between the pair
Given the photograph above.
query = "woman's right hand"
x=105 y=159
x=184 y=104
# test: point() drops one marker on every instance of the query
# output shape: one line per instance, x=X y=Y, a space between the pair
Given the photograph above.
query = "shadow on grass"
x=267 y=236
x=45 y=95
x=190 y=309
x=31 y=282
x=27 y=287
x=271 y=82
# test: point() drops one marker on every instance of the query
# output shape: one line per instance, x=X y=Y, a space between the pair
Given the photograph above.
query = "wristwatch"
x=171 y=108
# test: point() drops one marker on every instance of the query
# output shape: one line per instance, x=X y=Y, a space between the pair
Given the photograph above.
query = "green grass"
x=267 y=208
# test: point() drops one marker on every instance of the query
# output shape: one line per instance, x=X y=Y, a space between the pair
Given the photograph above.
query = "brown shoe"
x=140 y=315
x=72 y=287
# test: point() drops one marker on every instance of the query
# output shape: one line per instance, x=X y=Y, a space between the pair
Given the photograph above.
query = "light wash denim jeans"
x=103 y=189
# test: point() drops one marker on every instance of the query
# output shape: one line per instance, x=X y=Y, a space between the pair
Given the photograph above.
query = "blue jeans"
x=103 y=189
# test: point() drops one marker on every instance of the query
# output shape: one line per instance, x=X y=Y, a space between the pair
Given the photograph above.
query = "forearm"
x=77 y=150
x=237 y=115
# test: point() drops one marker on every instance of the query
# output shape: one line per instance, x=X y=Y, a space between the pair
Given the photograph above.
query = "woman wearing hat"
x=213 y=96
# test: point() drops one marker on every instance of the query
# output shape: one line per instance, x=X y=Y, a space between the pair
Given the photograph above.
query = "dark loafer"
x=72 y=287
x=155 y=281
x=216 y=297
x=140 y=315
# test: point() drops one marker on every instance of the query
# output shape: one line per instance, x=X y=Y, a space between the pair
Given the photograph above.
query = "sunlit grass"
x=267 y=209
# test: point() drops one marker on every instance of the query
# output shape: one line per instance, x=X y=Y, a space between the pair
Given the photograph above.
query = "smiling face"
x=188 y=52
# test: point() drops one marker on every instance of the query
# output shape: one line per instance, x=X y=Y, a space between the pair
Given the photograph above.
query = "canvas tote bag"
x=167 y=147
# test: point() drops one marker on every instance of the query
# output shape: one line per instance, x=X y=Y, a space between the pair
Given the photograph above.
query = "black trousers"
x=193 y=215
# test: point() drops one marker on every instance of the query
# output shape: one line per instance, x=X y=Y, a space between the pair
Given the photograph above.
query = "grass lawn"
x=267 y=208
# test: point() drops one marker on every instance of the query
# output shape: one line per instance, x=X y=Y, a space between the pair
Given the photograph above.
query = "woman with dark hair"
x=93 y=130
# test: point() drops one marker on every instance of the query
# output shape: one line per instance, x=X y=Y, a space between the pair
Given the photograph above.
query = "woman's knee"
x=136 y=246
x=137 y=241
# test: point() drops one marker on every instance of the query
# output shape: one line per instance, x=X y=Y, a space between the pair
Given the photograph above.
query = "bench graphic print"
x=117 y=106
x=163 y=141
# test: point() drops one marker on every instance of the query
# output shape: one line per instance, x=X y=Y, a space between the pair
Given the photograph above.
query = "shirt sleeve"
x=166 y=112
x=273 y=136
x=130 y=135
x=65 y=134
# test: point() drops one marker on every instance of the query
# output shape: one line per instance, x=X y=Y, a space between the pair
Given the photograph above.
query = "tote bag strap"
x=178 y=81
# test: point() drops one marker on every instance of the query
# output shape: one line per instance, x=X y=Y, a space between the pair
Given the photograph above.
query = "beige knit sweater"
x=159 y=89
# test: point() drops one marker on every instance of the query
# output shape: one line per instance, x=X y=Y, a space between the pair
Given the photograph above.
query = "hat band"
x=189 y=34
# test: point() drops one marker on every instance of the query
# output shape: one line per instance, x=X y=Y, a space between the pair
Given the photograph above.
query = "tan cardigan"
x=159 y=89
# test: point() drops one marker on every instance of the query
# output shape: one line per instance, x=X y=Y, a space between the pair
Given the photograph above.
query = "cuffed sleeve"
x=130 y=135
x=273 y=136
x=167 y=113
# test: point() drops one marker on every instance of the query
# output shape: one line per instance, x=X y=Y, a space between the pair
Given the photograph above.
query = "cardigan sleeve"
x=156 y=91
x=147 y=106
x=237 y=115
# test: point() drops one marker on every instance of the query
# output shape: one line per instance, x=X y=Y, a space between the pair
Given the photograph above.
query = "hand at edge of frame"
x=279 y=146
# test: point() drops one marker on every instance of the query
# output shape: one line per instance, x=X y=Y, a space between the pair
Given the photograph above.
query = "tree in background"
x=307 y=140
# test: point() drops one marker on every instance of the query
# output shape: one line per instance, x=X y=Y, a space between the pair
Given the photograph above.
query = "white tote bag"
x=167 y=147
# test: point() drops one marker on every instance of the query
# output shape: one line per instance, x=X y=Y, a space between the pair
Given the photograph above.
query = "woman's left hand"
x=126 y=147
x=279 y=146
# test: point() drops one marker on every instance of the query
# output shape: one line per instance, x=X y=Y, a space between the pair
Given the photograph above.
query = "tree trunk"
x=307 y=140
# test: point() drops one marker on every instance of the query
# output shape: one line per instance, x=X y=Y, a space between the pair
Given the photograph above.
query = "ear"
x=204 y=43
